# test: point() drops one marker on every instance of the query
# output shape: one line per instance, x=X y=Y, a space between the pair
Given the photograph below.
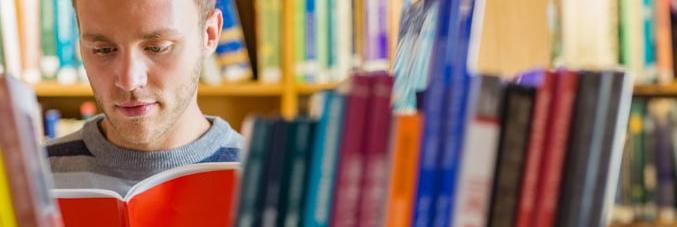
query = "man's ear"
x=212 y=31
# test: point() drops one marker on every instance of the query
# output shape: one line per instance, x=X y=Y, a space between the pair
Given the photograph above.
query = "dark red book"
x=545 y=83
x=552 y=161
x=351 y=154
x=375 y=177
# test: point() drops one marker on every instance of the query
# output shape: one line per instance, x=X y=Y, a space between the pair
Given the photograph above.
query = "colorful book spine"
x=375 y=172
x=231 y=52
x=480 y=146
x=269 y=32
x=49 y=62
x=295 y=173
x=67 y=39
x=457 y=106
x=322 y=42
x=431 y=144
x=311 y=62
x=29 y=34
x=649 y=39
x=351 y=155
x=376 y=35
x=10 y=38
x=632 y=41
x=612 y=158
x=404 y=163
x=545 y=84
x=556 y=143
x=358 y=33
x=516 y=114
x=300 y=40
x=664 y=38
x=274 y=169
x=250 y=202
x=636 y=135
x=325 y=152
x=7 y=218
x=342 y=42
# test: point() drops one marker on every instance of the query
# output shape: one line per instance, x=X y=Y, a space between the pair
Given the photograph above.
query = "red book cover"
x=194 y=195
x=527 y=199
x=555 y=148
x=375 y=174
x=351 y=155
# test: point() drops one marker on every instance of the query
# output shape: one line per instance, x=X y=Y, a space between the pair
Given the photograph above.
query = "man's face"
x=142 y=58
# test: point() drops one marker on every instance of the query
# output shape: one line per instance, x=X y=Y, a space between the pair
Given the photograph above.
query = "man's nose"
x=132 y=72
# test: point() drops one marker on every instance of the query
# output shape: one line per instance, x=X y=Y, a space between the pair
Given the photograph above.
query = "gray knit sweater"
x=85 y=159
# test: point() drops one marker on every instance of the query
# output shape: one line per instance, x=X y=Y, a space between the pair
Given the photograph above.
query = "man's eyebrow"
x=161 y=34
x=95 y=38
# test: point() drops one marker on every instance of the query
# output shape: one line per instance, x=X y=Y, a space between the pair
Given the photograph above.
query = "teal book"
x=251 y=193
x=322 y=173
x=295 y=172
x=67 y=41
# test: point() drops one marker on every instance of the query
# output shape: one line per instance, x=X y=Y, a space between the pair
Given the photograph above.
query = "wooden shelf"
x=235 y=89
x=309 y=89
x=239 y=89
x=668 y=90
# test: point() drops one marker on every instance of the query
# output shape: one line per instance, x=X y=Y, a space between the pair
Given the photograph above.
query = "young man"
x=143 y=60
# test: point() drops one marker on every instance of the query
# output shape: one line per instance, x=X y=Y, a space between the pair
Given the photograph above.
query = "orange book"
x=664 y=41
x=193 y=195
x=403 y=169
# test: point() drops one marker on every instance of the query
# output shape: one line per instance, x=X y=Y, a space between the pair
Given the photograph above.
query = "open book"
x=193 y=195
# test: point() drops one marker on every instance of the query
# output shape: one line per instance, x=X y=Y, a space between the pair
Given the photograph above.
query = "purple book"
x=376 y=30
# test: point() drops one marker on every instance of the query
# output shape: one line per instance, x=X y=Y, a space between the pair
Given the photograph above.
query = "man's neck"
x=189 y=127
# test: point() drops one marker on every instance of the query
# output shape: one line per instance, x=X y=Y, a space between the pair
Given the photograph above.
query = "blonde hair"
x=204 y=7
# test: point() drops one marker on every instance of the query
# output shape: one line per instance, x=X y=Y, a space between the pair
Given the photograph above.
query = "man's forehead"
x=156 y=34
x=103 y=20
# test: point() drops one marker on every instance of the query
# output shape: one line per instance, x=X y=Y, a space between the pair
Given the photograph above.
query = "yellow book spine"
x=7 y=218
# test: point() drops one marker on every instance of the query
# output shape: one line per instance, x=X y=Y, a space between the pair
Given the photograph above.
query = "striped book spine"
x=231 y=52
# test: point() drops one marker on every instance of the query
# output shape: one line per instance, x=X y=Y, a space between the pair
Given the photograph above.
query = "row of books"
x=330 y=37
x=639 y=35
x=646 y=190
x=39 y=41
x=542 y=150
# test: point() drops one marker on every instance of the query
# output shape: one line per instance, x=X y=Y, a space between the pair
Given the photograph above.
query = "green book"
x=322 y=28
x=300 y=40
x=269 y=23
x=49 y=62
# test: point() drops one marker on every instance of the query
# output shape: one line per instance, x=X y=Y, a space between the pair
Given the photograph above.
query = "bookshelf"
x=667 y=90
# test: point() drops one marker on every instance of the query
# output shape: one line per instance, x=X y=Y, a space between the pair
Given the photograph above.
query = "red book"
x=193 y=195
x=527 y=199
x=351 y=155
x=375 y=177
x=555 y=148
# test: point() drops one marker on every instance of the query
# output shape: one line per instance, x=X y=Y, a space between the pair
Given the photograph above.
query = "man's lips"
x=135 y=109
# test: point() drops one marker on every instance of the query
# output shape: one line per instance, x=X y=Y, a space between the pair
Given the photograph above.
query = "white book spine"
x=10 y=38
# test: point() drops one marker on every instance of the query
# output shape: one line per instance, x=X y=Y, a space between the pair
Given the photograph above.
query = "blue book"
x=456 y=110
x=311 y=64
x=431 y=141
x=322 y=172
x=231 y=52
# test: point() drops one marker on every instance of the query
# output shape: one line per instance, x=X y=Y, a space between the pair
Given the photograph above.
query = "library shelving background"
x=309 y=53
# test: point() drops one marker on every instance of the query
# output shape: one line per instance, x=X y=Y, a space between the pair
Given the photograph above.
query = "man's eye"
x=157 y=49
x=104 y=51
